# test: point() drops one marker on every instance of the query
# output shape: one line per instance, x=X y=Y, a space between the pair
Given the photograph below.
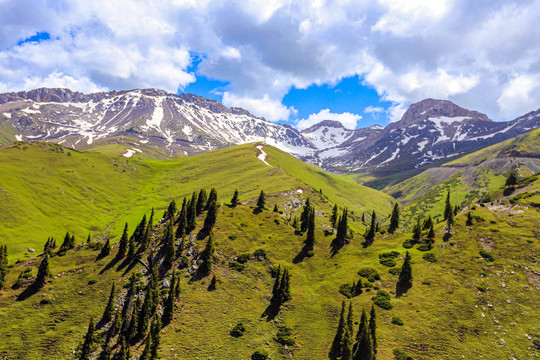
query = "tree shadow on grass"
x=336 y=245
x=110 y=265
x=402 y=288
x=29 y=291
x=271 y=312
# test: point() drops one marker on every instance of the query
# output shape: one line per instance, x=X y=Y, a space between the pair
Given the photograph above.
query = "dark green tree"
x=417 y=230
x=334 y=218
x=201 y=201
x=207 y=256
x=370 y=236
x=450 y=221
x=261 y=201
x=168 y=245
x=304 y=216
x=124 y=243
x=343 y=227
x=138 y=234
x=337 y=344
x=211 y=216
x=86 y=351
x=105 y=250
x=347 y=343
x=145 y=241
x=170 y=213
x=234 y=200
x=4 y=265
x=213 y=283
x=428 y=223
x=132 y=332
x=192 y=214
x=89 y=238
x=69 y=243
x=109 y=309
x=394 y=219
x=512 y=179
x=310 y=238
x=275 y=208
x=448 y=206
x=155 y=332
x=364 y=345
x=147 y=346
x=373 y=328
x=182 y=221
x=211 y=198
x=405 y=275
x=43 y=272
x=431 y=233
x=469 y=221
x=168 y=308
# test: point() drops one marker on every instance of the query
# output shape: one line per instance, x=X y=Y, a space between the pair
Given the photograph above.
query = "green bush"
x=259 y=355
x=430 y=257
x=232 y=237
x=423 y=247
x=391 y=254
x=486 y=255
x=388 y=262
x=238 y=330
x=399 y=354
x=481 y=288
x=369 y=273
x=425 y=282
x=260 y=253
x=382 y=300
x=394 y=271
x=24 y=275
x=397 y=321
x=283 y=336
x=346 y=290
x=236 y=265
x=243 y=258
x=407 y=244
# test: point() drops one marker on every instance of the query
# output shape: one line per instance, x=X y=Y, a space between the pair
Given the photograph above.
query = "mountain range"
x=151 y=123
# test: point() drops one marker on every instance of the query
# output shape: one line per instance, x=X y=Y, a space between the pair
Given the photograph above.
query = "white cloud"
x=271 y=110
x=396 y=111
x=348 y=120
x=520 y=96
x=373 y=109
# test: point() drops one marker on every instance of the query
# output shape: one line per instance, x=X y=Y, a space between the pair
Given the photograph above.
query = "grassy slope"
x=448 y=318
x=59 y=190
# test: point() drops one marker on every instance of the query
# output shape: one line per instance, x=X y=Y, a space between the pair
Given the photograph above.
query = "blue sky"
x=292 y=62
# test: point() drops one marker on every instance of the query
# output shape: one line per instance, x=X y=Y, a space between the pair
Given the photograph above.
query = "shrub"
x=236 y=265
x=259 y=253
x=24 y=275
x=394 y=271
x=388 y=262
x=407 y=244
x=276 y=221
x=481 y=288
x=425 y=282
x=391 y=254
x=399 y=354
x=238 y=330
x=283 y=336
x=486 y=255
x=92 y=282
x=494 y=230
x=446 y=236
x=259 y=355
x=232 y=237
x=243 y=225
x=369 y=273
x=382 y=300
x=243 y=258
x=423 y=247
x=397 y=321
x=430 y=257
x=346 y=290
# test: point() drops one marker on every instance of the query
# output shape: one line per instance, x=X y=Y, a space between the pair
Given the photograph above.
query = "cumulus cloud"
x=483 y=55
x=347 y=119
x=373 y=109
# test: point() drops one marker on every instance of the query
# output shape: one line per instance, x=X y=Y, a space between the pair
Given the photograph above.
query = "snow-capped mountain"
x=151 y=120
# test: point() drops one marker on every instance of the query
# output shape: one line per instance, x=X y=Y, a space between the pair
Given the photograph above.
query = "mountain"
x=474 y=294
x=154 y=124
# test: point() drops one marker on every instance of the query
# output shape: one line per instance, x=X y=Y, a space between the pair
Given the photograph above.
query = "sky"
x=295 y=62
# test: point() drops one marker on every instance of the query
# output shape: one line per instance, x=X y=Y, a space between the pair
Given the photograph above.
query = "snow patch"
x=18 y=137
x=8 y=115
x=129 y=153
x=392 y=157
x=262 y=156
x=300 y=191
x=422 y=144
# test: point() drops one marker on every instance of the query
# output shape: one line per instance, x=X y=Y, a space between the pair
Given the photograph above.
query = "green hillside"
x=47 y=190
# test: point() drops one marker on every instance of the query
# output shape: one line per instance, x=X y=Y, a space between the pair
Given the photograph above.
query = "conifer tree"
x=334 y=218
x=285 y=286
x=277 y=296
x=43 y=271
x=310 y=238
x=106 y=352
x=512 y=179
x=275 y=208
x=304 y=217
x=147 y=346
x=86 y=351
x=373 y=329
x=134 y=327
x=129 y=298
x=431 y=233
x=234 y=200
x=213 y=283
x=138 y=234
x=405 y=275
x=124 y=243
x=4 y=265
x=170 y=213
x=211 y=198
x=373 y=228
x=105 y=250
x=211 y=216
x=417 y=231
x=469 y=221
x=192 y=213
x=168 y=308
x=336 y=348
x=261 y=201
x=182 y=221
x=363 y=218
x=364 y=345
x=123 y=353
x=177 y=289
x=69 y=243
x=168 y=245
x=450 y=221
x=448 y=206
x=109 y=309
x=347 y=343
x=394 y=219
x=144 y=315
x=343 y=227
x=89 y=238
x=428 y=223
x=201 y=201
x=155 y=332
x=145 y=241
x=131 y=249
x=115 y=326
x=207 y=256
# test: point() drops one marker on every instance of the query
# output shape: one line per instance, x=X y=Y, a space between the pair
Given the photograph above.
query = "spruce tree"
x=469 y=221
x=363 y=218
x=275 y=208
x=405 y=275
x=261 y=201
x=105 y=250
x=347 y=343
x=211 y=216
x=450 y=221
x=431 y=233
x=138 y=234
x=86 y=351
x=168 y=308
x=370 y=236
x=417 y=231
x=124 y=243
x=177 y=289
x=343 y=227
x=285 y=286
x=182 y=221
x=234 y=200
x=211 y=198
x=170 y=213
x=512 y=179
x=43 y=272
x=213 y=283
x=336 y=348
x=207 y=256
x=3 y=265
x=109 y=309
x=145 y=241
x=201 y=201
x=304 y=217
x=89 y=238
x=364 y=345
x=428 y=223
x=277 y=295
x=133 y=328
x=147 y=346
x=123 y=353
x=334 y=218
x=394 y=219
x=447 y=207
x=155 y=333
x=168 y=245
x=310 y=238
x=373 y=329
x=69 y=243
x=192 y=213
